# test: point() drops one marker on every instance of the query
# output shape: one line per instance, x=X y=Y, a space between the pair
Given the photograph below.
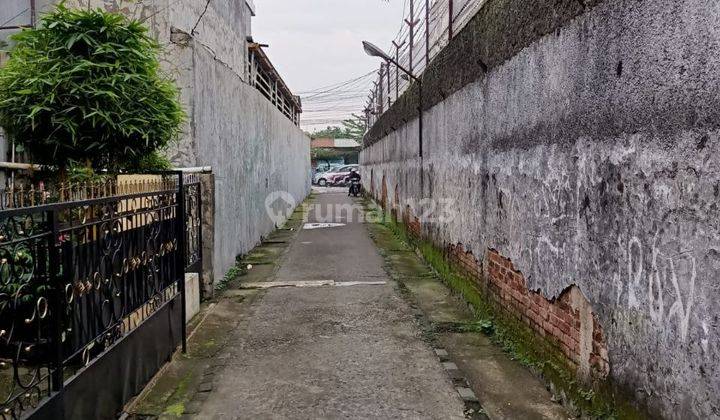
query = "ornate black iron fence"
x=76 y=277
x=193 y=222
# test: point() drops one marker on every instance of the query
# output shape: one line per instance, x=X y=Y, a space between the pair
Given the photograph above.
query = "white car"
x=321 y=178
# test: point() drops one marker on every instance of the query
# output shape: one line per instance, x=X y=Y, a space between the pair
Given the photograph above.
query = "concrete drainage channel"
x=490 y=382
x=473 y=409
x=309 y=283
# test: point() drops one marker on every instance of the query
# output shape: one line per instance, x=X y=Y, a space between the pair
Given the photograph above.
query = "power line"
x=330 y=91
x=335 y=85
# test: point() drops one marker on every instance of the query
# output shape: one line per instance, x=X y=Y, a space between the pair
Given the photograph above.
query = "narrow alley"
x=317 y=328
x=363 y=209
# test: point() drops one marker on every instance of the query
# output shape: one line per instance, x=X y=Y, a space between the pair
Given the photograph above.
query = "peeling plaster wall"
x=591 y=158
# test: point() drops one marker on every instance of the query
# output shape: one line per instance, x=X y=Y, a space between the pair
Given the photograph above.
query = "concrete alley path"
x=317 y=329
x=330 y=352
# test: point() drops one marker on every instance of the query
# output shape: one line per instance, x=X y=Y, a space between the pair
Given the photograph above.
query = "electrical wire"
x=335 y=85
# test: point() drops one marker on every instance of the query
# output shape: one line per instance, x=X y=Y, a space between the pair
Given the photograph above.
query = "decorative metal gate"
x=79 y=281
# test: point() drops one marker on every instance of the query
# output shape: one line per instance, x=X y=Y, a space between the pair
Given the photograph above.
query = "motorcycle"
x=355 y=187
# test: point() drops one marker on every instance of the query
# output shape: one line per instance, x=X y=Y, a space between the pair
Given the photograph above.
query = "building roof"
x=328 y=143
x=322 y=143
x=268 y=67
x=346 y=143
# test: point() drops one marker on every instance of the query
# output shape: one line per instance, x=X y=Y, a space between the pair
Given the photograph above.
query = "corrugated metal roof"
x=346 y=143
x=322 y=143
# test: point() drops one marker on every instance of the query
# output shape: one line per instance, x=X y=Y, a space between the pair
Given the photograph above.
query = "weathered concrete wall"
x=253 y=148
x=255 y=151
x=182 y=26
x=589 y=158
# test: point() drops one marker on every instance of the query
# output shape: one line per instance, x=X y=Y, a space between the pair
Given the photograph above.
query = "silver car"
x=321 y=178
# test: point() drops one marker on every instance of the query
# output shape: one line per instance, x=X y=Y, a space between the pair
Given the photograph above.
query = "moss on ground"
x=600 y=400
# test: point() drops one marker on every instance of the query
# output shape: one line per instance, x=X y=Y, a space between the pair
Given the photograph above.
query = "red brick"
x=529 y=306
x=537 y=299
x=544 y=314
x=568 y=318
x=516 y=295
x=547 y=326
x=556 y=332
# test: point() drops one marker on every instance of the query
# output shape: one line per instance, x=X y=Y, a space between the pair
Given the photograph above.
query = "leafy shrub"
x=154 y=161
x=85 y=86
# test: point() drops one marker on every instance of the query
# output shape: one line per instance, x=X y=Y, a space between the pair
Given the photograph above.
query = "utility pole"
x=373 y=109
x=411 y=22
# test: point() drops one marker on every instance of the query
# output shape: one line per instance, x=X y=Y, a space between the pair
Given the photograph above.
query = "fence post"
x=381 y=101
x=57 y=305
x=450 y=26
x=412 y=33
x=181 y=256
x=427 y=33
x=388 y=86
x=397 y=71
x=207 y=183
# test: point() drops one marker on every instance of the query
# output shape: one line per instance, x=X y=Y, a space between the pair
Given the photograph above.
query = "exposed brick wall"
x=465 y=262
x=383 y=198
x=412 y=224
x=566 y=321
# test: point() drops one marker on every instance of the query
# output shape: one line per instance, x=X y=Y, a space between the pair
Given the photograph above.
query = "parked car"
x=338 y=177
x=321 y=177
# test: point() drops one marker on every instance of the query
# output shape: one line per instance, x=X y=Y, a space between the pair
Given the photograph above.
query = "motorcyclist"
x=354 y=176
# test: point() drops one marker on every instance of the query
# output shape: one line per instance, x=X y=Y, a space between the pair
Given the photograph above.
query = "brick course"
x=555 y=320
x=558 y=320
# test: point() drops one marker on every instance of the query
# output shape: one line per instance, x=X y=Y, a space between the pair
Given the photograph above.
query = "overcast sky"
x=317 y=43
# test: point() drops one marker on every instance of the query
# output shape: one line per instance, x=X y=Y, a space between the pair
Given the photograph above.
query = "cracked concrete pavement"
x=330 y=352
x=339 y=322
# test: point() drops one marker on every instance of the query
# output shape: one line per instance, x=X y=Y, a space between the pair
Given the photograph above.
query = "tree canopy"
x=351 y=128
x=85 y=86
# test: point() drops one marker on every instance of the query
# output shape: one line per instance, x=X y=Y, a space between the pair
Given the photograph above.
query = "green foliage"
x=331 y=132
x=154 y=161
x=233 y=273
x=355 y=127
x=79 y=173
x=351 y=128
x=331 y=154
x=85 y=86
